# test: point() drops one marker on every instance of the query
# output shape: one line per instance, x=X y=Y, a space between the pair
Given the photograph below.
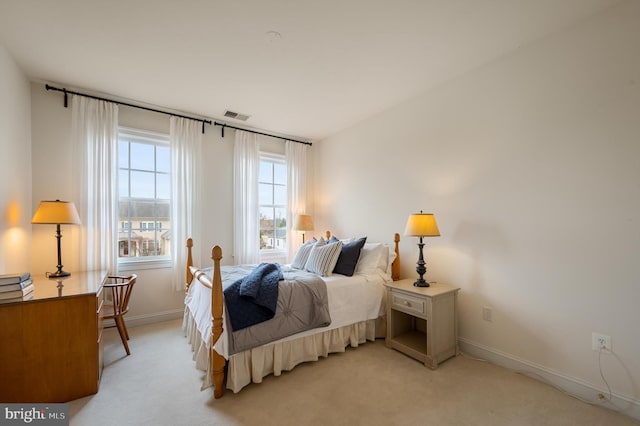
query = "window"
x=272 y=182
x=144 y=195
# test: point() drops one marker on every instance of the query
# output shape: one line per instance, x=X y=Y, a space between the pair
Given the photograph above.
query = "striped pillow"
x=323 y=257
x=302 y=255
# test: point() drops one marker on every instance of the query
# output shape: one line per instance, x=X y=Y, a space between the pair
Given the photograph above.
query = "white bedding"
x=351 y=300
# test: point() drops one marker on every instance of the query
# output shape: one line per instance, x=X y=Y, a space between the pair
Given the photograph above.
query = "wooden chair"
x=120 y=290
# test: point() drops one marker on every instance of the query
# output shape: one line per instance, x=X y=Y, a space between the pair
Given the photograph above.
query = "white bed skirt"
x=274 y=358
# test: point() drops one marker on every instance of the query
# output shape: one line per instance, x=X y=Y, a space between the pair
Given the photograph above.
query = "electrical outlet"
x=486 y=314
x=601 y=342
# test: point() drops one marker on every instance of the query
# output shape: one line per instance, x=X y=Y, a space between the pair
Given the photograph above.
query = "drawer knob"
x=406 y=303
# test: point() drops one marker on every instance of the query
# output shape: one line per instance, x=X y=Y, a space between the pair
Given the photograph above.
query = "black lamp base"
x=58 y=274
x=421 y=283
x=421 y=269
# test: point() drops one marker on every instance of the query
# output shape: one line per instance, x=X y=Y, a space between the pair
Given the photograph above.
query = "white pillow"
x=392 y=257
x=302 y=255
x=386 y=259
x=323 y=258
x=370 y=258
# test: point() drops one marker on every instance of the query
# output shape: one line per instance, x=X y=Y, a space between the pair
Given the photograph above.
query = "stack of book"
x=15 y=287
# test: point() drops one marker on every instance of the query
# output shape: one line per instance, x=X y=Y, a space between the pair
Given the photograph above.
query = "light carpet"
x=158 y=384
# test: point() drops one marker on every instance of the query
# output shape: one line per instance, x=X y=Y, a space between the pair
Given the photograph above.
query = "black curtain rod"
x=215 y=123
x=65 y=91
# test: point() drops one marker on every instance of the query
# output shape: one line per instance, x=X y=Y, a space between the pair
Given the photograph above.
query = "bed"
x=354 y=305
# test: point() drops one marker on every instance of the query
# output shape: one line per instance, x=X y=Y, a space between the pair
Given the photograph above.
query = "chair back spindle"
x=120 y=289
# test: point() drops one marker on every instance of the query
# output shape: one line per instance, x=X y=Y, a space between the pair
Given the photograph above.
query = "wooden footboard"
x=217 y=361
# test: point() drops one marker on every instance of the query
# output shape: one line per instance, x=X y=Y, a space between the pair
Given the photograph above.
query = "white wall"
x=532 y=167
x=15 y=167
x=154 y=298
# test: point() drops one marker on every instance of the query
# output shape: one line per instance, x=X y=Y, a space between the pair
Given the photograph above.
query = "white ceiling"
x=337 y=61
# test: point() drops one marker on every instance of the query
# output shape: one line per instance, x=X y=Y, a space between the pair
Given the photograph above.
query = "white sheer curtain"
x=296 y=190
x=94 y=134
x=186 y=141
x=246 y=226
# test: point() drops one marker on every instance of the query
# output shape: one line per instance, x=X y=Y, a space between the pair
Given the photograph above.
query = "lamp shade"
x=302 y=222
x=56 y=212
x=422 y=225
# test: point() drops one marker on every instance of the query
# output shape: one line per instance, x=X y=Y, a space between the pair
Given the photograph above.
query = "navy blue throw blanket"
x=253 y=299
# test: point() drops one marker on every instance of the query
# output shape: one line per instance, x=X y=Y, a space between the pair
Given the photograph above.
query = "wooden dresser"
x=51 y=346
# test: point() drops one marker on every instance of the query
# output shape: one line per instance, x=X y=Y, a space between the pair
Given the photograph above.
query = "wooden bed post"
x=189 y=276
x=217 y=360
x=395 y=266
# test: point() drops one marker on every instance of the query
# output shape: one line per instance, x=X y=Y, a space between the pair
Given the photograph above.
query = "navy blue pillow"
x=349 y=256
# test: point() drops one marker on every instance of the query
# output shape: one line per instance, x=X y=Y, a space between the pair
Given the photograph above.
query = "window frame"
x=141 y=262
x=274 y=254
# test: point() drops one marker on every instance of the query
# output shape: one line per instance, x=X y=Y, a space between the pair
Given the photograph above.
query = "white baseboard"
x=573 y=386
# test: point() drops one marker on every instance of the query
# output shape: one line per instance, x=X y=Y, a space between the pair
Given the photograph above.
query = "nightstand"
x=422 y=321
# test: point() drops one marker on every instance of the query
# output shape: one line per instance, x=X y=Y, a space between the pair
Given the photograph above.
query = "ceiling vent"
x=236 y=115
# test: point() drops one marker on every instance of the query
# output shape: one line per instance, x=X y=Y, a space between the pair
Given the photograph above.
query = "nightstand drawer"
x=409 y=304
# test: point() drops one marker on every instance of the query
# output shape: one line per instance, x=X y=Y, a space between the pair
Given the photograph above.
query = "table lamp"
x=302 y=222
x=57 y=213
x=421 y=225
